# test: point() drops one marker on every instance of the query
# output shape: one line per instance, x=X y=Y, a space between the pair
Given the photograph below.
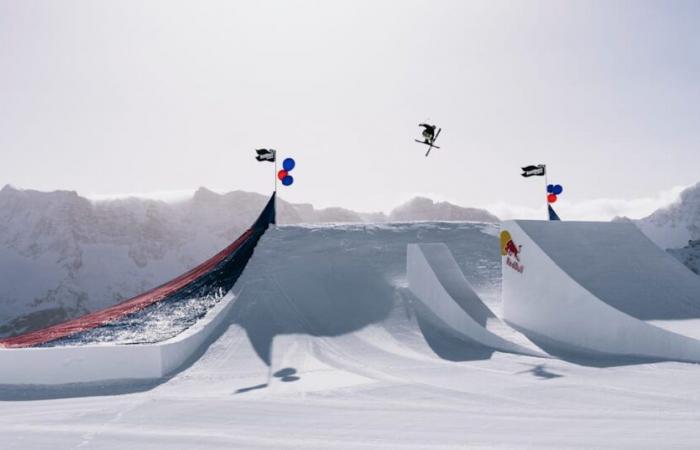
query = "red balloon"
x=551 y=198
x=281 y=174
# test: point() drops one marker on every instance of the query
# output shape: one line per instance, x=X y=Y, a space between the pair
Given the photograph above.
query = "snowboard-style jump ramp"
x=438 y=282
x=30 y=358
x=598 y=287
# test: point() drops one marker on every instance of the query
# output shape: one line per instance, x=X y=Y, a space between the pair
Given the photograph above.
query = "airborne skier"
x=429 y=136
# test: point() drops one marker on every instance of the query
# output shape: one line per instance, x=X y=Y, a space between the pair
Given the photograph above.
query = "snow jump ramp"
x=599 y=287
x=56 y=354
x=438 y=282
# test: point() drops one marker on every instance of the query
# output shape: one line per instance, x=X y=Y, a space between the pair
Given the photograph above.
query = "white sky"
x=117 y=97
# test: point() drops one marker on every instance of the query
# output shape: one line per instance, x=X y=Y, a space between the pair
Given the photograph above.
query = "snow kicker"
x=216 y=275
x=438 y=282
x=598 y=287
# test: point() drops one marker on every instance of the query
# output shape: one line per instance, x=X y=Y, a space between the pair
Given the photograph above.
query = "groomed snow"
x=324 y=349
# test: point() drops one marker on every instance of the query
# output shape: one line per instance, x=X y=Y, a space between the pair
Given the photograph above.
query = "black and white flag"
x=534 y=171
x=265 y=154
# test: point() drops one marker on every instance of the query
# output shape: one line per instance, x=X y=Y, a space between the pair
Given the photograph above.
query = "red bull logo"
x=511 y=252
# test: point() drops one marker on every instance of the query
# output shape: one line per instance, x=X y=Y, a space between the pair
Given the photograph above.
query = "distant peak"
x=204 y=191
x=424 y=208
x=418 y=200
x=204 y=194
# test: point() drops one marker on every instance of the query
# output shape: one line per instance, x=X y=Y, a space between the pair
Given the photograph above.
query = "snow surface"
x=324 y=349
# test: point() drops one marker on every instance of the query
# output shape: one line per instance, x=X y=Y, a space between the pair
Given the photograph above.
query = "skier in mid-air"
x=428 y=133
x=429 y=136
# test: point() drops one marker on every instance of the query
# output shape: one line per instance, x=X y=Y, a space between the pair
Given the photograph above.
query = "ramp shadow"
x=582 y=357
x=447 y=345
x=322 y=300
x=15 y=393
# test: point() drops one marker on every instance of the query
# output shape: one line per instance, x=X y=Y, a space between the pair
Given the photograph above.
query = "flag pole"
x=275 y=175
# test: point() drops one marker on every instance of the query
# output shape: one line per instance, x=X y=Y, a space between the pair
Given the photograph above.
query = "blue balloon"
x=288 y=180
x=550 y=188
x=288 y=164
x=557 y=189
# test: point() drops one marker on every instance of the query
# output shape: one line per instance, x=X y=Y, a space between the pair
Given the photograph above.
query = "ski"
x=426 y=143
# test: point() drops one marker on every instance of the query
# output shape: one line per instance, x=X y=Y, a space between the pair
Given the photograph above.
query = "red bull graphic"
x=511 y=252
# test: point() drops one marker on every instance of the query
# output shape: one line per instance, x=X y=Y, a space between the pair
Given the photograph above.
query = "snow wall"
x=91 y=363
x=619 y=264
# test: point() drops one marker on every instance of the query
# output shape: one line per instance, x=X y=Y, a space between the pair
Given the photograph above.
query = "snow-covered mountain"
x=421 y=208
x=688 y=255
x=676 y=227
x=62 y=255
x=416 y=209
x=673 y=226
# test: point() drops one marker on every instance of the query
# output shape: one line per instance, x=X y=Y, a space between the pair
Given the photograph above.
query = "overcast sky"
x=116 y=97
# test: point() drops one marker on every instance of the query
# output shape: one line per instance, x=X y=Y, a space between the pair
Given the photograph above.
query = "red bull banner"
x=511 y=251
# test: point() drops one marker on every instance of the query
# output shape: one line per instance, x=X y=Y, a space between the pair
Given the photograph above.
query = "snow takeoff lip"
x=217 y=274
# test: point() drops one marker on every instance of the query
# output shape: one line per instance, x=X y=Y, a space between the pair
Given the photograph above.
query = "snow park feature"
x=327 y=331
x=83 y=350
x=437 y=281
x=599 y=288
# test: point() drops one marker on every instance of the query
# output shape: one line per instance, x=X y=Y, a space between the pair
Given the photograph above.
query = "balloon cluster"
x=288 y=164
x=553 y=190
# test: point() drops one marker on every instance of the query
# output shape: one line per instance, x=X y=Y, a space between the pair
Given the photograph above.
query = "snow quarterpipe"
x=598 y=287
x=438 y=282
x=21 y=362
